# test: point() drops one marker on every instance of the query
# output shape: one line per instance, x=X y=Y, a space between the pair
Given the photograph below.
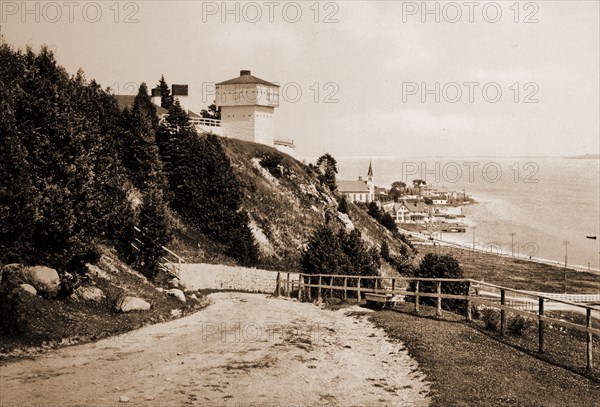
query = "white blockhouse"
x=247 y=108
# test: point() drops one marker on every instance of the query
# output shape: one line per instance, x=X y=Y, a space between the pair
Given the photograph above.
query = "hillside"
x=286 y=204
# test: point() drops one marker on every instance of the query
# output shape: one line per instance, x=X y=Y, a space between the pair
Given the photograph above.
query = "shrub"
x=518 y=325
x=12 y=321
x=441 y=266
x=271 y=162
x=343 y=205
x=490 y=318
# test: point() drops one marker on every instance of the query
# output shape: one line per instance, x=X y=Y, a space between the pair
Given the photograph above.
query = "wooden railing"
x=170 y=262
x=304 y=286
x=201 y=121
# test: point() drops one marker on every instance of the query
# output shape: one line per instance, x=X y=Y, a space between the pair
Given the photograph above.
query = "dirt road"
x=244 y=349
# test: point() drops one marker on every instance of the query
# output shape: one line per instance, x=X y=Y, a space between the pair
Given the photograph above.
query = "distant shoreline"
x=426 y=240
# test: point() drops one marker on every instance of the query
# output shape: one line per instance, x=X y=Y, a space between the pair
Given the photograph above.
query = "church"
x=361 y=190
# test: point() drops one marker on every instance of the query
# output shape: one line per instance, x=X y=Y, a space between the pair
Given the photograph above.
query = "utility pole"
x=473 y=238
x=566 y=243
x=512 y=243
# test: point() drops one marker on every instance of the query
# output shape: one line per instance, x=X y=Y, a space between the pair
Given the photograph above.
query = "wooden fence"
x=323 y=284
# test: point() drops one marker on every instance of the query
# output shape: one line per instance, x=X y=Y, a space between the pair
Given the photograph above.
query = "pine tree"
x=166 y=100
x=328 y=169
x=141 y=151
x=343 y=205
x=156 y=231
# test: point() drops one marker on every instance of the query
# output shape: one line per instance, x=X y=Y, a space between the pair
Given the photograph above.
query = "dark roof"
x=246 y=78
x=126 y=101
x=192 y=114
x=352 y=186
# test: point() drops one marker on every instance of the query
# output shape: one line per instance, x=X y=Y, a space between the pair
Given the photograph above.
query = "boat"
x=591 y=237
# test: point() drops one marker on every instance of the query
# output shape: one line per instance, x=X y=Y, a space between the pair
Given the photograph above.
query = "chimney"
x=245 y=72
x=156 y=95
x=181 y=92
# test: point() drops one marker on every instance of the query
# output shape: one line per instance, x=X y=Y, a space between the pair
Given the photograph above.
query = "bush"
x=343 y=205
x=518 y=325
x=491 y=319
x=441 y=266
x=271 y=162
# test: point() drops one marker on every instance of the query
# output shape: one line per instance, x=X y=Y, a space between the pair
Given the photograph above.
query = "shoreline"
x=430 y=241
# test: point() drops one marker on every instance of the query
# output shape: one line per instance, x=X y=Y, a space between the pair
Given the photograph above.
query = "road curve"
x=243 y=349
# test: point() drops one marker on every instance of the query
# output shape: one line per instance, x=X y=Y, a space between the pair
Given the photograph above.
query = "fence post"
x=288 y=289
x=502 y=312
x=358 y=292
x=541 y=326
x=393 y=285
x=438 y=309
x=277 y=287
x=345 y=291
x=309 y=288
x=589 y=339
x=417 y=297
x=319 y=289
x=300 y=284
x=469 y=311
x=330 y=286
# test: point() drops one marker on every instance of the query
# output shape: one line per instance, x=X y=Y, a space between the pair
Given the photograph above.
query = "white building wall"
x=252 y=94
x=264 y=125
x=238 y=122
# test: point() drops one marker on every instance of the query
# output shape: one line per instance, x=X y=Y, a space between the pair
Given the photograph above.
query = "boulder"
x=10 y=269
x=88 y=293
x=44 y=279
x=128 y=303
x=29 y=289
x=176 y=293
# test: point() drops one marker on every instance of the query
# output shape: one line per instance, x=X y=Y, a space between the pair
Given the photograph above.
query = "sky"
x=377 y=78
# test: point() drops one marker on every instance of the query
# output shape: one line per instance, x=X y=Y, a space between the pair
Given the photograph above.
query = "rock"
x=175 y=312
x=174 y=282
x=148 y=397
x=160 y=289
x=194 y=297
x=132 y=304
x=44 y=279
x=9 y=269
x=123 y=399
x=176 y=293
x=29 y=288
x=88 y=293
x=97 y=272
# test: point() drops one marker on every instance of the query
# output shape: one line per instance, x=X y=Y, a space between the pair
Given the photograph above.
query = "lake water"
x=543 y=201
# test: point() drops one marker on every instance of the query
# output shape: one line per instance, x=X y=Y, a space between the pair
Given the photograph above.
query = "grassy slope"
x=519 y=274
x=469 y=367
x=286 y=210
x=52 y=323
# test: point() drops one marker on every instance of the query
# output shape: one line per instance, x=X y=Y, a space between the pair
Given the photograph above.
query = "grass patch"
x=469 y=367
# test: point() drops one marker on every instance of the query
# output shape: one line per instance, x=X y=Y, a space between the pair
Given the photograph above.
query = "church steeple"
x=370 y=172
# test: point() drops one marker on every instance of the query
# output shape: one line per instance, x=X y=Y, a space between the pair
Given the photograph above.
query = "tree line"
x=77 y=171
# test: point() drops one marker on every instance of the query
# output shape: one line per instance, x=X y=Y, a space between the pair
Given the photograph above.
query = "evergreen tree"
x=374 y=211
x=156 y=231
x=387 y=221
x=166 y=100
x=323 y=253
x=141 y=151
x=343 y=205
x=213 y=112
x=328 y=169
x=384 y=251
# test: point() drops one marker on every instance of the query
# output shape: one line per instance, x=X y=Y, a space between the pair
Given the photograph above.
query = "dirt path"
x=244 y=349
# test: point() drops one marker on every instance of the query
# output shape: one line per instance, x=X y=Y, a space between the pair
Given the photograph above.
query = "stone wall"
x=220 y=277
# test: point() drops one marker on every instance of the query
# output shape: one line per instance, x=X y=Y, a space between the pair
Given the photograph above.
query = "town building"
x=409 y=212
x=361 y=190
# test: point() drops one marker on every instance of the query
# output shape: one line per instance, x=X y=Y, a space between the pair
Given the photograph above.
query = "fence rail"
x=523 y=303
